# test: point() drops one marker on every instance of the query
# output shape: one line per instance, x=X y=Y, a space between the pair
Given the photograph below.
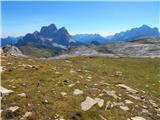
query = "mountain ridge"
x=127 y=35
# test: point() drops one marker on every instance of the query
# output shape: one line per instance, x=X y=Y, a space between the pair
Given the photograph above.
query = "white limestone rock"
x=137 y=118
x=77 y=92
x=127 y=88
x=89 y=102
x=4 y=91
x=22 y=95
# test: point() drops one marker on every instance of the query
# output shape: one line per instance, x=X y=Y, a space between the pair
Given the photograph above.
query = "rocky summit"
x=47 y=42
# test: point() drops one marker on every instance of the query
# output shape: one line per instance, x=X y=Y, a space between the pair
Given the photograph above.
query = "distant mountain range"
x=89 y=38
x=51 y=40
x=49 y=36
x=128 y=35
x=9 y=40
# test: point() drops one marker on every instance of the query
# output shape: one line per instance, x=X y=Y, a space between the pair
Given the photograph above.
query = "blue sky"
x=105 y=18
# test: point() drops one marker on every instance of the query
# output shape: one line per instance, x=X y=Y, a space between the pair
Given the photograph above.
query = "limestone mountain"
x=49 y=36
x=135 y=33
x=128 y=35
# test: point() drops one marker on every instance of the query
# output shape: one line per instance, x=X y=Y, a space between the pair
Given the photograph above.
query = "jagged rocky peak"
x=144 y=26
x=63 y=30
x=48 y=31
x=35 y=32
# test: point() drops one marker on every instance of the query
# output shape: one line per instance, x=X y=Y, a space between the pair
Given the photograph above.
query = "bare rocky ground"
x=142 y=47
x=80 y=88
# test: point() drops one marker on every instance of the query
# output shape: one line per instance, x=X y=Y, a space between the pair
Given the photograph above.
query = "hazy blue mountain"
x=50 y=37
x=135 y=33
x=9 y=41
x=128 y=35
x=88 y=38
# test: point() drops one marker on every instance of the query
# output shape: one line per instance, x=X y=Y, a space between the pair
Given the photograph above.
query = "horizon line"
x=72 y=34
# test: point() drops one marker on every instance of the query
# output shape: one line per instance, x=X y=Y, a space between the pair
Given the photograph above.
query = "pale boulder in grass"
x=22 y=95
x=63 y=93
x=26 y=115
x=89 y=102
x=13 y=109
x=125 y=108
x=137 y=118
x=128 y=102
x=77 y=92
x=111 y=93
x=4 y=91
x=99 y=101
x=127 y=88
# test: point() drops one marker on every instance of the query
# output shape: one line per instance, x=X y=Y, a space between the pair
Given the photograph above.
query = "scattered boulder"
x=118 y=73
x=22 y=95
x=137 y=118
x=71 y=85
x=134 y=97
x=13 y=109
x=128 y=102
x=11 y=112
x=127 y=88
x=45 y=102
x=99 y=101
x=153 y=103
x=125 y=108
x=72 y=71
x=2 y=69
x=145 y=111
x=89 y=102
x=63 y=93
x=4 y=91
x=77 y=92
x=89 y=77
x=109 y=105
x=111 y=93
x=27 y=116
x=58 y=117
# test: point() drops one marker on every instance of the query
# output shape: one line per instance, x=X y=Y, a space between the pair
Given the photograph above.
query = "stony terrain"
x=142 y=47
x=80 y=88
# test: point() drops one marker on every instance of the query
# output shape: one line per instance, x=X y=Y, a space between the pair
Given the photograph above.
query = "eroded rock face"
x=12 y=50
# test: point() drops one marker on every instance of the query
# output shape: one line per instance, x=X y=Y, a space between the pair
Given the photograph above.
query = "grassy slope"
x=36 y=52
x=137 y=73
